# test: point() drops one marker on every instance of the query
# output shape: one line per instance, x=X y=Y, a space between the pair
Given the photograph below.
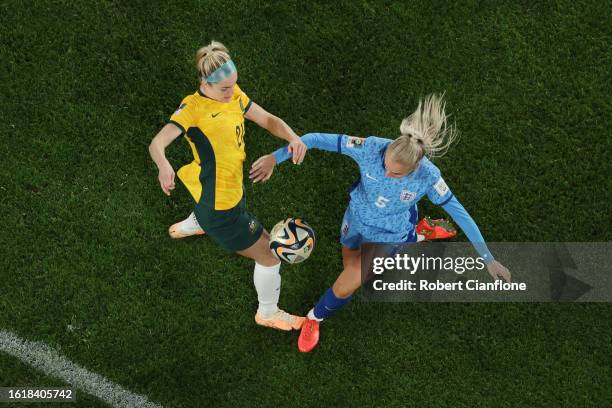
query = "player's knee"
x=265 y=258
x=261 y=251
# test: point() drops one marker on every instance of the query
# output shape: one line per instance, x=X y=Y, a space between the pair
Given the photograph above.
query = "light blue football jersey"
x=383 y=209
x=382 y=204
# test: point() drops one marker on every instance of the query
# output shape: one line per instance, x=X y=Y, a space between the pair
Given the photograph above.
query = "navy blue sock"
x=329 y=304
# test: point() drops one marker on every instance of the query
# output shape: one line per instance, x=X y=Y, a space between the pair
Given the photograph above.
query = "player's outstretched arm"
x=460 y=215
x=262 y=168
x=322 y=141
x=278 y=128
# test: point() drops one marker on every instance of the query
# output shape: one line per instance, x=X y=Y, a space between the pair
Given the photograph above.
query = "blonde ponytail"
x=424 y=133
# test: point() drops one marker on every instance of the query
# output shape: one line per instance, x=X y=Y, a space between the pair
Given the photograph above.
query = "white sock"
x=311 y=316
x=267 y=282
x=420 y=238
x=190 y=223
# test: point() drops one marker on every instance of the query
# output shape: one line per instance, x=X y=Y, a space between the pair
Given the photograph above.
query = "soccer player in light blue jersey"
x=394 y=176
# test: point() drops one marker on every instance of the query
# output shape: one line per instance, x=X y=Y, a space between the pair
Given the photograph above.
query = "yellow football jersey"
x=215 y=133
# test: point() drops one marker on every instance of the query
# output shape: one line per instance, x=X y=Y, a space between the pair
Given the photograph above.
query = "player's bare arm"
x=278 y=128
x=157 y=150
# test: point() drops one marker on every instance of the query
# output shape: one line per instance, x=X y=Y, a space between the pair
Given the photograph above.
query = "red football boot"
x=309 y=336
x=435 y=229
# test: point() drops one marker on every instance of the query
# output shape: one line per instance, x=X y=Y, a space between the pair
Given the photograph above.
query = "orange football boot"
x=435 y=229
x=186 y=228
x=309 y=336
x=280 y=320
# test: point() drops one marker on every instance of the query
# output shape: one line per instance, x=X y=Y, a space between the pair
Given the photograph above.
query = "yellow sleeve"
x=245 y=101
x=184 y=117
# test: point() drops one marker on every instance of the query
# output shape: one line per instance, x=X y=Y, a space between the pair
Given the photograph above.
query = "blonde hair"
x=423 y=133
x=211 y=57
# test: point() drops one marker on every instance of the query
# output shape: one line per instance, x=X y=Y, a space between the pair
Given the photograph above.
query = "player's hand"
x=297 y=149
x=166 y=178
x=499 y=271
x=262 y=168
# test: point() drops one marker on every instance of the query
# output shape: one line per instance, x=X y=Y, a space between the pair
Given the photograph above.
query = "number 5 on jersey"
x=381 y=202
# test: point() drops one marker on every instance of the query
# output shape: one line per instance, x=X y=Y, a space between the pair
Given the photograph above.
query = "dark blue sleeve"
x=459 y=214
x=322 y=141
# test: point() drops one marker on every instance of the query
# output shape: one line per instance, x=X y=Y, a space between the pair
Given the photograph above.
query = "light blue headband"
x=222 y=72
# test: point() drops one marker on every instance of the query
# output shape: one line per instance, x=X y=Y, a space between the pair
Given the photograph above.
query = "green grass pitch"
x=87 y=266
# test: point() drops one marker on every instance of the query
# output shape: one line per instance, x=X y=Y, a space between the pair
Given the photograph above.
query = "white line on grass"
x=52 y=363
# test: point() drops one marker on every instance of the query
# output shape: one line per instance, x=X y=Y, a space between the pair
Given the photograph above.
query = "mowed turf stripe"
x=52 y=363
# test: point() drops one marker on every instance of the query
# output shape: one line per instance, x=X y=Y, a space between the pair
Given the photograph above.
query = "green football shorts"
x=235 y=229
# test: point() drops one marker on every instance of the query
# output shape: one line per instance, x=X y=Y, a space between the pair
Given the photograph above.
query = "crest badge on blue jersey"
x=441 y=187
x=354 y=142
x=406 y=195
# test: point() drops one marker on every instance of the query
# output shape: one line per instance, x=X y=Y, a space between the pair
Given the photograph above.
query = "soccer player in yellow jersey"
x=212 y=120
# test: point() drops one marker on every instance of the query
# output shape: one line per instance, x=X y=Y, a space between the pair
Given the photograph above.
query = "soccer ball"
x=292 y=240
